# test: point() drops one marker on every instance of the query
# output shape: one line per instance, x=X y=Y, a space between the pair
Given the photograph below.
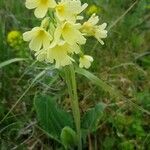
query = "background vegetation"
x=123 y=62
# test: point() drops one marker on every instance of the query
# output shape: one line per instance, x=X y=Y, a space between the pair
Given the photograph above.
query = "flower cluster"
x=14 y=39
x=60 y=35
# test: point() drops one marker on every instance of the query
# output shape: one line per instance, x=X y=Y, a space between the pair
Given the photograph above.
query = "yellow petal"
x=74 y=49
x=27 y=36
x=93 y=19
x=59 y=53
x=72 y=35
x=85 y=61
x=69 y=9
x=39 y=38
x=35 y=44
x=52 y=3
x=103 y=26
x=46 y=40
x=41 y=11
x=57 y=35
x=31 y=4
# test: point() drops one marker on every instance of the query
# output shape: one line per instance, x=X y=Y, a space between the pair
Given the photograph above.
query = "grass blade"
x=95 y=80
x=5 y=63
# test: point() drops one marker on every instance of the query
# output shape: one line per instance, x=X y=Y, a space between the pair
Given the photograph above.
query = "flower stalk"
x=72 y=89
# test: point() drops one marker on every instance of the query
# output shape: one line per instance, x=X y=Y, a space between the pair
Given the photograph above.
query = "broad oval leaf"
x=52 y=118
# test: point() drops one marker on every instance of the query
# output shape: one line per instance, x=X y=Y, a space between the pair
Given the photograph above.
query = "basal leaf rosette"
x=60 y=35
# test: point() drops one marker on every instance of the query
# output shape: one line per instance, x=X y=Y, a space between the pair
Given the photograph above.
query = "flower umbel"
x=60 y=35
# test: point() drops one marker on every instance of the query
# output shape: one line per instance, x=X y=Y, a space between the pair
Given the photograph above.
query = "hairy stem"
x=72 y=89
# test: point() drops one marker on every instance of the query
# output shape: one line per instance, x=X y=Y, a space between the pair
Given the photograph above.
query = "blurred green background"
x=123 y=62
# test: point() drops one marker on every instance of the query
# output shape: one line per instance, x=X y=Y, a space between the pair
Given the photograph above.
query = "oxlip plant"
x=59 y=40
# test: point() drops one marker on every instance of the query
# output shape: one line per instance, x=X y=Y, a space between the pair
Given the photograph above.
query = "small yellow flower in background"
x=41 y=6
x=14 y=39
x=92 y=29
x=85 y=61
x=69 y=9
x=70 y=33
x=38 y=37
x=93 y=9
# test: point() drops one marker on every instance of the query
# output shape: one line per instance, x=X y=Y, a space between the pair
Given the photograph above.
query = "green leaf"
x=68 y=137
x=52 y=118
x=92 y=117
x=5 y=63
x=106 y=87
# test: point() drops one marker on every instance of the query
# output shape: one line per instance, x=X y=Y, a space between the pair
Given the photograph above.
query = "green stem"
x=72 y=88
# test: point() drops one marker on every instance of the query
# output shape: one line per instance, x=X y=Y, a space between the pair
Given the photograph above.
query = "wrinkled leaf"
x=52 y=118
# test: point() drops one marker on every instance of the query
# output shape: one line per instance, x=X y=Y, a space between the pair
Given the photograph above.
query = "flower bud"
x=45 y=23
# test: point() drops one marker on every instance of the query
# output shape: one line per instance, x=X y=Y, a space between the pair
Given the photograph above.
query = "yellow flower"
x=92 y=29
x=14 y=39
x=70 y=33
x=38 y=37
x=41 y=6
x=69 y=9
x=92 y=9
x=57 y=53
x=85 y=61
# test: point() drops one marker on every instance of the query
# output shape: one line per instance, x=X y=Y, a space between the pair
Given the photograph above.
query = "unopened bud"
x=45 y=23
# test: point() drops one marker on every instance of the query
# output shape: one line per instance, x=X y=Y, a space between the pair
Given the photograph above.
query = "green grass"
x=123 y=62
